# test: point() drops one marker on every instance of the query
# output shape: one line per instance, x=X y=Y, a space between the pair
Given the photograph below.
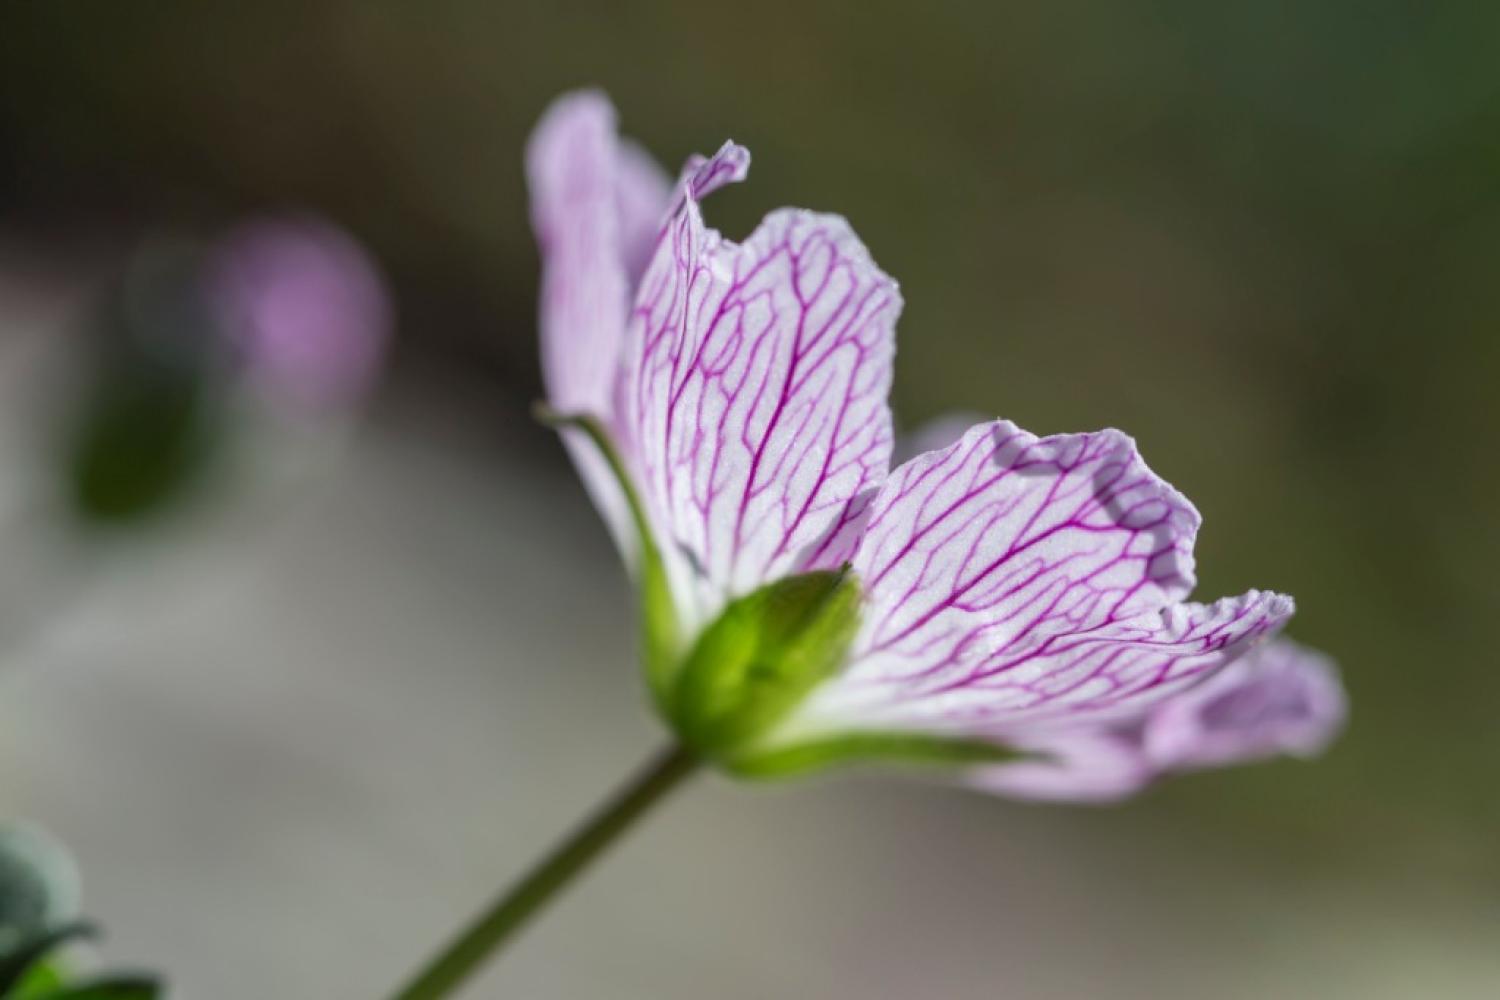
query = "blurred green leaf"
x=113 y=988
x=38 y=884
x=152 y=416
x=14 y=965
x=139 y=448
x=40 y=981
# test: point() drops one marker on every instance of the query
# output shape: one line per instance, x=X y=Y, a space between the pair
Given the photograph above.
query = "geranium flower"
x=803 y=602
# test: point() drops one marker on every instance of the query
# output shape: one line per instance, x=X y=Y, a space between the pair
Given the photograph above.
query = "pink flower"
x=306 y=309
x=805 y=602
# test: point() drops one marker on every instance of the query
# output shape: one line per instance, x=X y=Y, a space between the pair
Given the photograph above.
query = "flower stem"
x=493 y=928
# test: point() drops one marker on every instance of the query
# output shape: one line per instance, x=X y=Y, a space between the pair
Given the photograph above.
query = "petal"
x=643 y=195
x=1279 y=698
x=1011 y=580
x=703 y=175
x=1090 y=766
x=1112 y=672
x=755 y=393
x=597 y=207
x=572 y=168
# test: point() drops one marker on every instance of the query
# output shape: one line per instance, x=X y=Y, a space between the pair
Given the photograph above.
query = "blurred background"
x=305 y=657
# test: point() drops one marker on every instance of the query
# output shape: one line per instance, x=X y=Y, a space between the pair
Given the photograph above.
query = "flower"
x=803 y=602
x=305 y=307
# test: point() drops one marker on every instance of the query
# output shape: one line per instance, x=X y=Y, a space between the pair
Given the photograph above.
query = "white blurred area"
x=298 y=739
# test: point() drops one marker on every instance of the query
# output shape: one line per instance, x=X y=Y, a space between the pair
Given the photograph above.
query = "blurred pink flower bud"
x=306 y=308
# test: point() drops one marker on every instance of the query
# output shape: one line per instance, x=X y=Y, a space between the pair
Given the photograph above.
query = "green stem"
x=512 y=911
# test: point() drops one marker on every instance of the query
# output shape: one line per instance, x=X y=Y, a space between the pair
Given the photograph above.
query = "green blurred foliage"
x=38 y=921
x=38 y=888
x=153 y=410
x=1260 y=235
x=41 y=980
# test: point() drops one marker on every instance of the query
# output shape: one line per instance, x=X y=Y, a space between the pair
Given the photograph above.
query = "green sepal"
x=917 y=749
x=661 y=643
x=761 y=657
x=661 y=633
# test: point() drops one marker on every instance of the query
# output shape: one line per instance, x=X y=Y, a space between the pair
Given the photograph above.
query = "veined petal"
x=1110 y=672
x=1280 y=698
x=572 y=166
x=1013 y=581
x=703 y=175
x=597 y=206
x=755 y=393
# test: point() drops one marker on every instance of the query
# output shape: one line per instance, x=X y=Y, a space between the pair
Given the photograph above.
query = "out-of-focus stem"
x=498 y=924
